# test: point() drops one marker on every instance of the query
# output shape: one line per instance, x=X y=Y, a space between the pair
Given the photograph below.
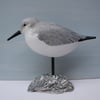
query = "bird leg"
x=52 y=65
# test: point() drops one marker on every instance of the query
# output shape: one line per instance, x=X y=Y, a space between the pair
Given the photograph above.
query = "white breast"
x=51 y=51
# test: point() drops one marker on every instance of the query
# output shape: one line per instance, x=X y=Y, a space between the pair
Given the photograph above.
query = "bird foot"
x=51 y=84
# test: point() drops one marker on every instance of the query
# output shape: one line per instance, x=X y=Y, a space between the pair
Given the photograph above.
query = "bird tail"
x=87 y=38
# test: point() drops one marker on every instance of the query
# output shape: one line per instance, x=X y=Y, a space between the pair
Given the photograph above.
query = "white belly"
x=51 y=51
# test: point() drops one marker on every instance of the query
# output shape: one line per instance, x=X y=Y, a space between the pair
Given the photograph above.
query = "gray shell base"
x=48 y=83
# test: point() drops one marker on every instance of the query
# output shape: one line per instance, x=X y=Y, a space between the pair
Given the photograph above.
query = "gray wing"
x=57 y=35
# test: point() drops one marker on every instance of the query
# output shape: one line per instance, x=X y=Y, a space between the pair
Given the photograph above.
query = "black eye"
x=24 y=24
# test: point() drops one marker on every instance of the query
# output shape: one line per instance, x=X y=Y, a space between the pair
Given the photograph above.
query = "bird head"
x=26 y=24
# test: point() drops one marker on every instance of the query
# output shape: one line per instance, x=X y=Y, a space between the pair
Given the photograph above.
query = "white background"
x=17 y=90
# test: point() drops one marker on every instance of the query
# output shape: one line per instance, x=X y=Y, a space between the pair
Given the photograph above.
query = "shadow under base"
x=48 y=83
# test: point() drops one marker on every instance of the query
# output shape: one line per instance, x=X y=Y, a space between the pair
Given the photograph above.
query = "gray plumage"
x=53 y=34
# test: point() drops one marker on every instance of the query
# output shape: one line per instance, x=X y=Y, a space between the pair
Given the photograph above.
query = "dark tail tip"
x=87 y=38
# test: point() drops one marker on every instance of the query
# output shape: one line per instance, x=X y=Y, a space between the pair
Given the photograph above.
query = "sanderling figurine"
x=52 y=40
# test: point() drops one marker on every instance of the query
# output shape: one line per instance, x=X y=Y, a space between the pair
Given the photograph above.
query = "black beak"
x=14 y=35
